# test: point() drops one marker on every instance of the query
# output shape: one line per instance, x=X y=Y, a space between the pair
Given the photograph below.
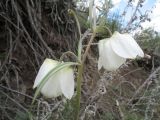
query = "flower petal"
x=67 y=82
x=52 y=86
x=125 y=46
x=108 y=58
x=101 y=48
x=101 y=45
x=47 y=65
x=100 y=63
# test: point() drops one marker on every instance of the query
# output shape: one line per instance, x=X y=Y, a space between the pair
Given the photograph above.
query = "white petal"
x=125 y=46
x=101 y=45
x=67 y=82
x=52 y=87
x=101 y=48
x=47 y=65
x=108 y=58
x=100 y=63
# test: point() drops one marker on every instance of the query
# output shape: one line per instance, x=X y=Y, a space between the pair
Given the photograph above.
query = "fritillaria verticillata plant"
x=56 y=78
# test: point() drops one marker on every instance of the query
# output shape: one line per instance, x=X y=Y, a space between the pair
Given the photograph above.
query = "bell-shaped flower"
x=62 y=82
x=114 y=51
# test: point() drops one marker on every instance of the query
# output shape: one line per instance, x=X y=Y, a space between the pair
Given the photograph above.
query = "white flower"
x=60 y=83
x=114 y=51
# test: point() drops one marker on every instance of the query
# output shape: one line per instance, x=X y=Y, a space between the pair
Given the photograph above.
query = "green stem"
x=79 y=78
x=79 y=30
x=110 y=33
x=69 y=53
x=78 y=97
x=80 y=67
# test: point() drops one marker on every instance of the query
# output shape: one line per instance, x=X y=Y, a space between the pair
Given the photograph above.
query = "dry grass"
x=30 y=31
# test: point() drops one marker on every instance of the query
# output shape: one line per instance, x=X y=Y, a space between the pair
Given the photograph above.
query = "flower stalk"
x=79 y=78
x=78 y=97
x=79 y=31
x=81 y=60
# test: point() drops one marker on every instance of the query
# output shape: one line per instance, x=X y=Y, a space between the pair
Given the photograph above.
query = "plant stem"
x=78 y=97
x=79 y=78
x=80 y=67
x=79 y=31
x=69 y=53
x=88 y=46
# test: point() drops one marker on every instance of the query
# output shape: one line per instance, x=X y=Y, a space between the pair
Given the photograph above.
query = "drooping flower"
x=59 y=83
x=114 y=51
